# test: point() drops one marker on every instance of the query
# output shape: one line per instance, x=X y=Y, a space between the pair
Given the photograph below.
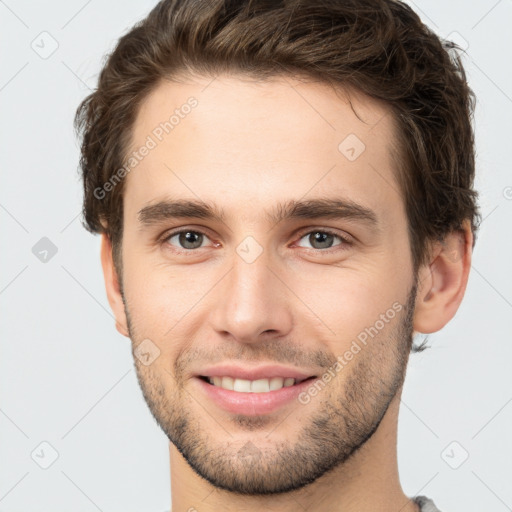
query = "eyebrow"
x=321 y=208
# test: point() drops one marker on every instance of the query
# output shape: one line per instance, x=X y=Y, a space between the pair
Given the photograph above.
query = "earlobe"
x=442 y=284
x=112 y=285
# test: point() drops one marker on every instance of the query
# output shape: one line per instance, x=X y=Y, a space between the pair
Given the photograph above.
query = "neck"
x=367 y=481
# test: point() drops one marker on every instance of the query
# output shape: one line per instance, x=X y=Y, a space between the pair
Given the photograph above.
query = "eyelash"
x=345 y=244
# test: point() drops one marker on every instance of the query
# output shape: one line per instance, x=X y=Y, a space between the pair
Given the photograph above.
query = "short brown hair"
x=379 y=47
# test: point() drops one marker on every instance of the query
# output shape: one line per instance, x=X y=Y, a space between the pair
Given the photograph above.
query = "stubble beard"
x=341 y=421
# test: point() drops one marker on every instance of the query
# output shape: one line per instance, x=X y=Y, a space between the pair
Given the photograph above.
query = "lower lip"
x=253 y=404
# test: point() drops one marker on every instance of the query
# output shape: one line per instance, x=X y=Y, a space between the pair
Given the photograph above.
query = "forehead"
x=253 y=142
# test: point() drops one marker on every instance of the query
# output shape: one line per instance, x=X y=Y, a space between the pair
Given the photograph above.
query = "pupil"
x=324 y=239
x=190 y=240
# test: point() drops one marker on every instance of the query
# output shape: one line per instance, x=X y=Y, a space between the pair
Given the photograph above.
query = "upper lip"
x=255 y=373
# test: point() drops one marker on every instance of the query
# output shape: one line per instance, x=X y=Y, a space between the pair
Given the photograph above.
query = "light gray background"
x=67 y=376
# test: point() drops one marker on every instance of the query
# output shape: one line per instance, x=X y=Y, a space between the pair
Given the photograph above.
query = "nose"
x=252 y=303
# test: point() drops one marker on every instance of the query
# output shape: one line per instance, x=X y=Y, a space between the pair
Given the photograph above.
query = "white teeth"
x=241 y=385
x=252 y=386
x=276 y=383
x=289 y=382
x=226 y=383
x=260 y=386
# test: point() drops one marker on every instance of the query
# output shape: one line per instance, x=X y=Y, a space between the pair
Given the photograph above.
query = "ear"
x=442 y=283
x=112 y=285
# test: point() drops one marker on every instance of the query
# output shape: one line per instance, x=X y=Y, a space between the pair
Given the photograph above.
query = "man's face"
x=250 y=291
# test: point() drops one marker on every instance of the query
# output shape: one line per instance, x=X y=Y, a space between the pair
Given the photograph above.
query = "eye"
x=322 y=239
x=186 y=239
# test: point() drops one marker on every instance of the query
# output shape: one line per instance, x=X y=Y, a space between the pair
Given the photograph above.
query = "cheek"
x=162 y=300
x=346 y=300
x=353 y=307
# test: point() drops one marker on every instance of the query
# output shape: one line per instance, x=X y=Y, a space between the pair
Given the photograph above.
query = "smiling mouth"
x=253 y=386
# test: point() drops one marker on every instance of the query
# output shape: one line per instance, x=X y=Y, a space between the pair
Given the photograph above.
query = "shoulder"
x=426 y=504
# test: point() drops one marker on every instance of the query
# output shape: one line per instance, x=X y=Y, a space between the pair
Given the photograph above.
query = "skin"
x=246 y=147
